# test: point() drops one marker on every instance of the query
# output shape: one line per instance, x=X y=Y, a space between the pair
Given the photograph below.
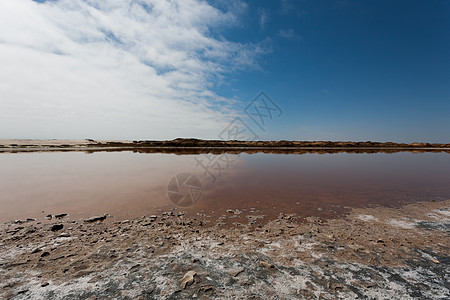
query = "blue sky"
x=354 y=70
x=339 y=70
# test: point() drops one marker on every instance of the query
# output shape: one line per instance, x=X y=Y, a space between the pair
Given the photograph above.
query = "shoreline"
x=371 y=252
x=199 y=143
x=195 y=146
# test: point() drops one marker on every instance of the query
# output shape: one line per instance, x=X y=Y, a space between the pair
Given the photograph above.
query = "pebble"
x=188 y=279
x=95 y=218
x=235 y=272
x=205 y=288
x=36 y=250
x=266 y=264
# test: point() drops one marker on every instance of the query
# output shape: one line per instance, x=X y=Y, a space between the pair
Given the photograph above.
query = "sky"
x=269 y=70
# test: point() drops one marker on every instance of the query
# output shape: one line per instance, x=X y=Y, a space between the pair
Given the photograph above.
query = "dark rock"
x=44 y=254
x=59 y=216
x=94 y=219
x=57 y=227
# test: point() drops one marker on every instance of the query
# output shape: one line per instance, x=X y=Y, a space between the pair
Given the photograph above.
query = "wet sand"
x=373 y=253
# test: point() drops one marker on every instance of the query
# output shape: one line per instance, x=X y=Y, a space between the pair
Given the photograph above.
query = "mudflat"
x=375 y=252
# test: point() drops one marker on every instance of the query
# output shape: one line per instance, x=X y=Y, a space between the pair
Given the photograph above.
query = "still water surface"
x=127 y=184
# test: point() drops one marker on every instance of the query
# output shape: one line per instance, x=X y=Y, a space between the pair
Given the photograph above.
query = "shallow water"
x=127 y=184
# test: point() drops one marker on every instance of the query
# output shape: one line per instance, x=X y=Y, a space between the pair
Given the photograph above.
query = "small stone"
x=336 y=286
x=188 y=279
x=434 y=260
x=59 y=216
x=45 y=284
x=44 y=254
x=235 y=272
x=266 y=264
x=65 y=234
x=57 y=227
x=205 y=288
x=94 y=219
x=22 y=291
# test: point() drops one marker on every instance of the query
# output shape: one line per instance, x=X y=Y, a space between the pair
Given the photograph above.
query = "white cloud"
x=288 y=34
x=263 y=17
x=116 y=69
x=286 y=6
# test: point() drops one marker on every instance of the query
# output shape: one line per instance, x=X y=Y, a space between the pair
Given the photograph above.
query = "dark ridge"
x=184 y=142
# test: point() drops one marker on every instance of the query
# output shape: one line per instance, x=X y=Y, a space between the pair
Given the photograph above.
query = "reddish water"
x=127 y=184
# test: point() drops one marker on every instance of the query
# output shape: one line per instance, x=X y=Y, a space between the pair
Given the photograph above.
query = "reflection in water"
x=127 y=184
x=184 y=190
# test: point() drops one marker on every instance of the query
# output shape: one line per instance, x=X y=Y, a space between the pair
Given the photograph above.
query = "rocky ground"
x=372 y=253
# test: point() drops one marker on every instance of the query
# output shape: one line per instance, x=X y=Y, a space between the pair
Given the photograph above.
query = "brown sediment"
x=371 y=252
